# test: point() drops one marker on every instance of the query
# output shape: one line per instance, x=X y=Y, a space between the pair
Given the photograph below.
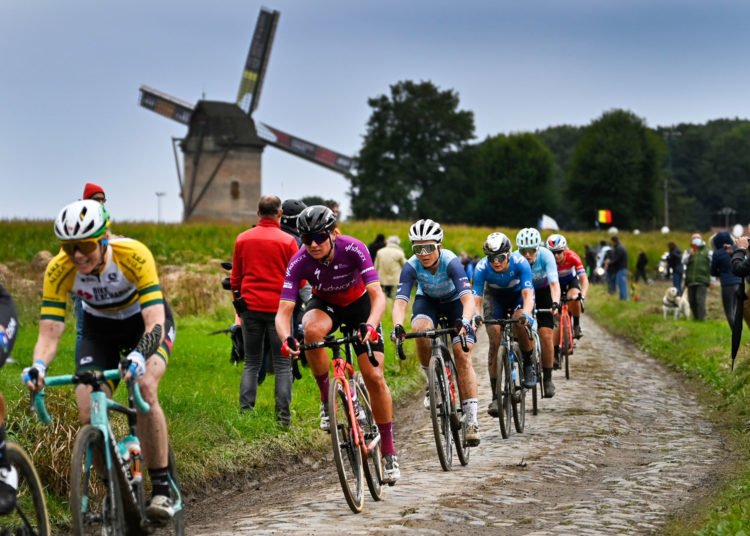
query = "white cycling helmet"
x=528 y=238
x=81 y=220
x=496 y=243
x=556 y=242
x=426 y=230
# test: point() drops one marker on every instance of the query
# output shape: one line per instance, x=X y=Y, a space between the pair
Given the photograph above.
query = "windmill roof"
x=225 y=122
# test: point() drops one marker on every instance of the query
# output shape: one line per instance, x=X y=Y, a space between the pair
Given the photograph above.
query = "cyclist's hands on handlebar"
x=290 y=347
x=477 y=320
x=525 y=319
x=398 y=333
x=133 y=366
x=556 y=307
x=368 y=332
x=33 y=376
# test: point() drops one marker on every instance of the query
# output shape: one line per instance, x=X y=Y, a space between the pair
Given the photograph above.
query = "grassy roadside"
x=701 y=350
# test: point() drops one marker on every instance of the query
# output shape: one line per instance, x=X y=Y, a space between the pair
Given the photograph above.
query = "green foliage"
x=511 y=182
x=403 y=165
x=616 y=166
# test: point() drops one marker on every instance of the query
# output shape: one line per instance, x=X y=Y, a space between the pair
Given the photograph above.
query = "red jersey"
x=570 y=267
x=259 y=262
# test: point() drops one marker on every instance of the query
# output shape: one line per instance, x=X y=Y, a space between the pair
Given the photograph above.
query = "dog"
x=675 y=304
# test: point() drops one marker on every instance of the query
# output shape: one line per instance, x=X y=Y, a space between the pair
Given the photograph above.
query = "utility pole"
x=159 y=195
x=669 y=135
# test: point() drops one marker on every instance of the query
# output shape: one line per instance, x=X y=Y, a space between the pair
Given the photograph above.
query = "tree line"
x=419 y=159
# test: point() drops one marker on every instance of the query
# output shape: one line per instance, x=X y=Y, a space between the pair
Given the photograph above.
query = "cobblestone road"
x=619 y=448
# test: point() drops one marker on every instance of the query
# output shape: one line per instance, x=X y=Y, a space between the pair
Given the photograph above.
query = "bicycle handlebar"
x=84 y=378
x=332 y=342
x=429 y=334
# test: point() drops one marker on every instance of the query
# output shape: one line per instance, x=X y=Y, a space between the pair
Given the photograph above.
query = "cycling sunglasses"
x=84 y=246
x=318 y=238
x=498 y=257
x=528 y=251
x=424 y=249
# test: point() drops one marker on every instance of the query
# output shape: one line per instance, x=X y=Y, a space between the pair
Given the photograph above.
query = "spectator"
x=721 y=267
x=697 y=276
x=640 y=267
x=334 y=206
x=468 y=264
x=376 y=245
x=618 y=267
x=590 y=259
x=674 y=265
x=741 y=267
x=259 y=262
x=95 y=192
x=388 y=263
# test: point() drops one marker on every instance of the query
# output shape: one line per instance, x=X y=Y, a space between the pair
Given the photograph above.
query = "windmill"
x=222 y=150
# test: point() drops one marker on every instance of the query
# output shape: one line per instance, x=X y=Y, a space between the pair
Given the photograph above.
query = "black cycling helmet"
x=290 y=209
x=316 y=219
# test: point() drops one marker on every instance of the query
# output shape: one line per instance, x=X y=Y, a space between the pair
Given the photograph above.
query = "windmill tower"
x=221 y=175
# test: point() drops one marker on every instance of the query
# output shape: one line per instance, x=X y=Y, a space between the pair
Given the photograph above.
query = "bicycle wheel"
x=372 y=461
x=519 y=395
x=538 y=390
x=440 y=412
x=30 y=514
x=458 y=419
x=346 y=453
x=505 y=392
x=96 y=507
x=565 y=347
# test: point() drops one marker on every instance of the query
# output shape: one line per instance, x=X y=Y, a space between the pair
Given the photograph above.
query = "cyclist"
x=442 y=290
x=574 y=283
x=511 y=291
x=346 y=290
x=124 y=310
x=546 y=296
x=8 y=332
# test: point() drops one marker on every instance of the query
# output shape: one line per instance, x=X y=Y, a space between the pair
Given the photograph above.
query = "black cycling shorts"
x=543 y=298
x=504 y=304
x=106 y=341
x=434 y=308
x=570 y=284
x=350 y=316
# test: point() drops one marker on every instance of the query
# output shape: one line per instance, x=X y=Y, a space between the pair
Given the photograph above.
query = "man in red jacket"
x=259 y=262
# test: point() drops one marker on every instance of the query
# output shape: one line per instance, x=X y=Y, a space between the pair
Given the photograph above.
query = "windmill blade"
x=166 y=105
x=297 y=146
x=257 y=60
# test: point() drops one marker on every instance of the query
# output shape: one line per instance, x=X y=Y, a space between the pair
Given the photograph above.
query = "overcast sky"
x=71 y=71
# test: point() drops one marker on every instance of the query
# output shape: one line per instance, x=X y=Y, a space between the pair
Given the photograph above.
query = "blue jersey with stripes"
x=544 y=269
x=448 y=283
x=513 y=280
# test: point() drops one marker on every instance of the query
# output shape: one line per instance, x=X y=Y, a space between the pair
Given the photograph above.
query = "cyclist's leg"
x=99 y=349
x=497 y=311
x=424 y=318
x=574 y=306
x=8 y=474
x=467 y=378
x=546 y=324
x=317 y=322
x=526 y=343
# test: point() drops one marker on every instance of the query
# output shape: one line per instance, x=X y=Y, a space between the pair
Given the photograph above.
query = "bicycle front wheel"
x=372 y=460
x=458 y=419
x=519 y=395
x=440 y=412
x=95 y=499
x=29 y=517
x=346 y=452
x=505 y=392
x=565 y=348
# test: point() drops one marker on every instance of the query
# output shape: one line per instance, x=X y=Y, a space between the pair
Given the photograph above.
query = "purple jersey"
x=341 y=282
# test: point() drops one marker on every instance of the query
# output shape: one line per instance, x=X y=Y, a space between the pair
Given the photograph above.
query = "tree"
x=409 y=152
x=512 y=182
x=616 y=166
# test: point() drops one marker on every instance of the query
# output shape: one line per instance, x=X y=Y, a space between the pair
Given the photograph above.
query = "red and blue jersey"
x=570 y=267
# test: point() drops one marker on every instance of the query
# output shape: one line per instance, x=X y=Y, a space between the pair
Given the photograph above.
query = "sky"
x=70 y=73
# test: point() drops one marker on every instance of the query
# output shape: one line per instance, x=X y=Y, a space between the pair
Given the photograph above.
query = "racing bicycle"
x=446 y=410
x=29 y=517
x=355 y=436
x=107 y=489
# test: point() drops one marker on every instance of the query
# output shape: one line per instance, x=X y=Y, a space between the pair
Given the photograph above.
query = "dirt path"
x=621 y=447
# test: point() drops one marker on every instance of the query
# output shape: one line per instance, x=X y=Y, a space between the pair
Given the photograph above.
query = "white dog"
x=677 y=305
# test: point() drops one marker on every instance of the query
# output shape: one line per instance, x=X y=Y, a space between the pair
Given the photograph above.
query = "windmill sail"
x=257 y=60
x=166 y=105
x=297 y=146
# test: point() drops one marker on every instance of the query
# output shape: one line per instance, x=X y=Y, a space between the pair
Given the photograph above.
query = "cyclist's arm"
x=399 y=311
x=528 y=301
x=583 y=278
x=467 y=300
x=50 y=332
x=478 y=304
x=152 y=316
x=554 y=288
x=284 y=319
x=377 y=303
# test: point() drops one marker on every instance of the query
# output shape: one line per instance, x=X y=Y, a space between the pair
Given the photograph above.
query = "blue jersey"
x=544 y=269
x=513 y=280
x=448 y=283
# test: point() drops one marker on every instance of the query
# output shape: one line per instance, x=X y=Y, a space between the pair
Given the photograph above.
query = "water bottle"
x=514 y=368
x=132 y=447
